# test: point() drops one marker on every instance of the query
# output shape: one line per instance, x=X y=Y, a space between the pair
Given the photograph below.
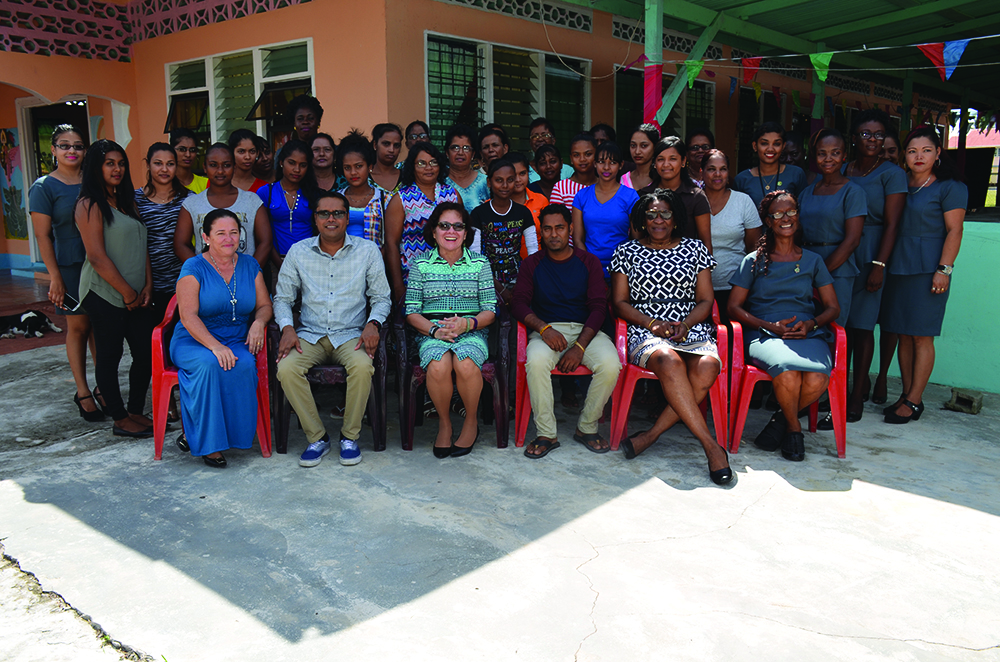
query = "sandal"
x=546 y=445
x=587 y=439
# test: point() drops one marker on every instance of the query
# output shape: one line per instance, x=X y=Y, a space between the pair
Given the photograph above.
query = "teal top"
x=824 y=219
x=475 y=193
x=57 y=200
x=922 y=229
x=436 y=287
x=887 y=179
x=125 y=244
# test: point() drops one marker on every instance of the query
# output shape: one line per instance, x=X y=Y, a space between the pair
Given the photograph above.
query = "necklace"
x=366 y=197
x=877 y=162
x=232 y=290
x=767 y=187
x=926 y=181
x=291 y=198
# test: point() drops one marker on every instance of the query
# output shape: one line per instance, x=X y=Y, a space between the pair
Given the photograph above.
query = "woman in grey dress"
x=773 y=293
x=920 y=268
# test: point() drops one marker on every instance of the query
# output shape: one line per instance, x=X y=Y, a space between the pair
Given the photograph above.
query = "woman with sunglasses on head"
x=920 y=269
x=670 y=172
x=884 y=184
x=387 y=140
x=367 y=202
x=185 y=144
x=423 y=188
x=773 y=294
x=770 y=174
x=468 y=181
x=243 y=143
x=51 y=202
x=644 y=139
x=116 y=283
x=661 y=285
x=287 y=199
x=221 y=194
x=699 y=142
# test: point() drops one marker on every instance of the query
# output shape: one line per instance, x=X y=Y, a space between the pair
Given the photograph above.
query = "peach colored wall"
x=8 y=120
x=348 y=51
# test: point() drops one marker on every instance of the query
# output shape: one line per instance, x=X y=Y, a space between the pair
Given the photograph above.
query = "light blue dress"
x=218 y=407
x=824 y=219
x=791 y=179
x=475 y=193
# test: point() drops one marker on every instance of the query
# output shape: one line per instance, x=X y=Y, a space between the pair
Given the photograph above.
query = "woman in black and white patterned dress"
x=661 y=285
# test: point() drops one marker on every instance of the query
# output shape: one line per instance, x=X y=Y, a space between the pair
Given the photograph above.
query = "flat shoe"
x=854 y=416
x=90 y=416
x=142 y=434
x=793 y=447
x=546 y=445
x=769 y=438
x=628 y=448
x=215 y=462
x=585 y=439
x=825 y=423
x=896 y=419
x=182 y=443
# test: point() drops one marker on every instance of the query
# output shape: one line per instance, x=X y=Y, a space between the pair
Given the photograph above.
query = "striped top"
x=436 y=287
x=417 y=208
x=372 y=214
x=564 y=191
x=161 y=221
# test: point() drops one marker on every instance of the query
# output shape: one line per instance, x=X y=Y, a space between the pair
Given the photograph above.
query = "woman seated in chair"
x=224 y=309
x=450 y=299
x=661 y=284
x=773 y=293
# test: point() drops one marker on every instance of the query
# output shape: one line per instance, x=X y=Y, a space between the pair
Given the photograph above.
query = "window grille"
x=516 y=94
x=234 y=93
x=455 y=84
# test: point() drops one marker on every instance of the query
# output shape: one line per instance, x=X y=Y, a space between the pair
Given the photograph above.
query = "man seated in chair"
x=333 y=273
x=561 y=298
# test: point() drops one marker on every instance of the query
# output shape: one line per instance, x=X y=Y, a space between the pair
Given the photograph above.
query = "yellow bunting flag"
x=756 y=90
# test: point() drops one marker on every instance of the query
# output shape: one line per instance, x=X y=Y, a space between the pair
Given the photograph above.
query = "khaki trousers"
x=292 y=374
x=601 y=358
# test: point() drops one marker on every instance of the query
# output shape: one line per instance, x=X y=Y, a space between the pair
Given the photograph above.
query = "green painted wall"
x=968 y=350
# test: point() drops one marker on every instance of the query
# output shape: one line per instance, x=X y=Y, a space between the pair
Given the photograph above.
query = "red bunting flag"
x=776 y=91
x=652 y=92
x=750 y=67
x=945 y=55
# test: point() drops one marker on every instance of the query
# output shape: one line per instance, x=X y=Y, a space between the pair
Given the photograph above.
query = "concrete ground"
x=883 y=555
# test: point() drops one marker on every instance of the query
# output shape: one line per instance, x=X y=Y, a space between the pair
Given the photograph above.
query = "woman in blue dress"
x=224 y=309
x=773 y=293
x=921 y=265
x=287 y=199
x=884 y=184
x=770 y=174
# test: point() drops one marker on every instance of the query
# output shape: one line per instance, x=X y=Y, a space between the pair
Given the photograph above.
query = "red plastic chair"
x=745 y=376
x=522 y=405
x=165 y=378
x=718 y=394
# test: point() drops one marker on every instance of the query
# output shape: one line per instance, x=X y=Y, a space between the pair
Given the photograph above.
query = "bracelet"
x=687 y=329
x=547 y=326
x=475 y=323
x=877 y=263
x=468 y=325
x=137 y=295
x=650 y=325
x=433 y=330
x=582 y=348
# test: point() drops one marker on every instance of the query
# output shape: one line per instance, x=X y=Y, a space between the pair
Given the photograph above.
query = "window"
x=248 y=89
x=695 y=108
x=475 y=83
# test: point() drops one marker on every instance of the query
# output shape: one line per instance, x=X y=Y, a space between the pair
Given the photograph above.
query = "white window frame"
x=258 y=78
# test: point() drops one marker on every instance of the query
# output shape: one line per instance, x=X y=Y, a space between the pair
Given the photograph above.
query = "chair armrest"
x=399 y=329
x=737 y=346
x=522 y=344
x=621 y=342
x=840 y=345
x=161 y=336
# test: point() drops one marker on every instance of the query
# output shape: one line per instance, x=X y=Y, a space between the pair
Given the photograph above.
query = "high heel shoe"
x=90 y=416
x=895 y=419
x=722 y=476
x=102 y=405
x=459 y=451
x=441 y=453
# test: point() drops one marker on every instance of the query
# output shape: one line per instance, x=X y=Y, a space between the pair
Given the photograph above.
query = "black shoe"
x=769 y=438
x=793 y=447
x=459 y=451
x=627 y=448
x=215 y=462
x=142 y=434
x=97 y=398
x=854 y=416
x=896 y=419
x=825 y=423
x=90 y=416
x=182 y=443
x=894 y=406
x=441 y=453
x=722 y=476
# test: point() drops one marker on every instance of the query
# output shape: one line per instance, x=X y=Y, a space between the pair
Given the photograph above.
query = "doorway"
x=44 y=120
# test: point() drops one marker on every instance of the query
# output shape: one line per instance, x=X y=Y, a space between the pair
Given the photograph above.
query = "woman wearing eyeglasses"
x=699 y=142
x=417 y=131
x=468 y=181
x=185 y=144
x=773 y=294
x=661 y=285
x=51 y=200
x=424 y=186
x=450 y=300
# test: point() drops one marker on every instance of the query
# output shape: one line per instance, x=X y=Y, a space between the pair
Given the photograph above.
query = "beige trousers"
x=601 y=358
x=292 y=374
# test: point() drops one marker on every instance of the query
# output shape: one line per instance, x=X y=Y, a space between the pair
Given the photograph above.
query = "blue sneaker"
x=314 y=453
x=349 y=452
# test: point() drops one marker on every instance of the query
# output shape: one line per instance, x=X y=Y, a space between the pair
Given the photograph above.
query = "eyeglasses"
x=76 y=147
x=778 y=215
x=457 y=227
x=868 y=135
x=417 y=136
x=460 y=148
x=699 y=148
x=326 y=215
x=427 y=164
x=541 y=136
x=653 y=214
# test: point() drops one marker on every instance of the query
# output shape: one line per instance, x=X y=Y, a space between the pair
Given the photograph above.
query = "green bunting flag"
x=796 y=100
x=821 y=63
x=693 y=69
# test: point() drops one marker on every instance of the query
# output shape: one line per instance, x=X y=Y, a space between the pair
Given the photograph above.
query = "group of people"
x=326 y=237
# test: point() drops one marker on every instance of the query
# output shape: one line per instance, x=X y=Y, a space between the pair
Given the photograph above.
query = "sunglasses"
x=699 y=148
x=325 y=215
x=457 y=227
x=417 y=136
x=652 y=215
x=778 y=215
x=868 y=135
x=76 y=147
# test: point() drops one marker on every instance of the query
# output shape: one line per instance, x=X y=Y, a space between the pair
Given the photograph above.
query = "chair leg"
x=284 y=419
x=377 y=414
x=620 y=426
x=409 y=420
x=161 y=404
x=813 y=415
x=747 y=382
x=718 y=403
x=838 y=407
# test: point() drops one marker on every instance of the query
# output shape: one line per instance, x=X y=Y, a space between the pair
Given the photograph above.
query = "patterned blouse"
x=374 y=212
x=417 y=209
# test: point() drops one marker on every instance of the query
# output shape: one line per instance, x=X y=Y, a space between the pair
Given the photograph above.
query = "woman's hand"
x=57 y=290
x=133 y=302
x=660 y=329
x=146 y=296
x=451 y=328
x=225 y=356
x=678 y=331
x=800 y=330
x=940 y=283
x=255 y=338
x=781 y=328
x=875 y=278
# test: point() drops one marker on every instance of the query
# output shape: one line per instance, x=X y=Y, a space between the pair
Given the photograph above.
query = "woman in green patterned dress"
x=450 y=300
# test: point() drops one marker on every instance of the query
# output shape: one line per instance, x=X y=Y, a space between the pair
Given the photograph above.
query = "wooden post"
x=652 y=86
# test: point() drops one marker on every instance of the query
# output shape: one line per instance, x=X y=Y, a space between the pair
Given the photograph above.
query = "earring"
x=938 y=162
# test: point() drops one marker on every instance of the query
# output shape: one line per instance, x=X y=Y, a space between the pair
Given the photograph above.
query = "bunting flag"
x=750 y=67
x=693 y=69
x=638 y=60
x=652 y=92
x=821 y=63
x=833 y=109
x=858 y=104
x=812 y=100
x=796 y=100
x=776 y=91
x=732 y=87
x=876 y=106
x=757 y=89
x=710 y=73
x=945 y=55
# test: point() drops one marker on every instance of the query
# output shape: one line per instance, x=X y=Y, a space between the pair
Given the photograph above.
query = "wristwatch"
x=946 y=269
x=378 y=325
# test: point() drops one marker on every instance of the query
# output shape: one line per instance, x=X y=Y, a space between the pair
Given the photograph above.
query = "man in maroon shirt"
x=560 y=296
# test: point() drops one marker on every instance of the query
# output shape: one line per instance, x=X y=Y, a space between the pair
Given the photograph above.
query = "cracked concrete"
x=887 y=554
